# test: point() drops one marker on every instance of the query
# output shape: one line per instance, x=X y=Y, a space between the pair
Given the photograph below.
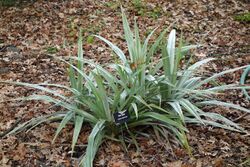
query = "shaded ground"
x=32 y=31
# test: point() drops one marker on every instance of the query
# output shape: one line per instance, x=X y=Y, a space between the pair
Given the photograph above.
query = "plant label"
x=121 y=117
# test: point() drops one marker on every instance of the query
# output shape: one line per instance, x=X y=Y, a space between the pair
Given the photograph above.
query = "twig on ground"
x=240 y=117
x=11 y=128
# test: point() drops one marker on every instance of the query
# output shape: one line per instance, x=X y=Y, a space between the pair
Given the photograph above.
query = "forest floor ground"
x=29 y=32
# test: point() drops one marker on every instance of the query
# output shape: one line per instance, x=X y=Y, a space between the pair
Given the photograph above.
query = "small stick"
x=11 y=128
x=240 y=117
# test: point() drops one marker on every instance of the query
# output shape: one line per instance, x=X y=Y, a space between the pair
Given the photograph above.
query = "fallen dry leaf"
x=174 y=164
x=119 y=164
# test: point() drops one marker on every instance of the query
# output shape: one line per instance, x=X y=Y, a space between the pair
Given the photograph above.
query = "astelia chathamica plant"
x=170 y=87
x=98 y=94
x=158 y=94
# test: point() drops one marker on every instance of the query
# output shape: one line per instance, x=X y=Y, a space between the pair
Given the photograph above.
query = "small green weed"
x=156 y=13
x=52 y=50
x=113 y=5
x=245 y=17
x=90 y=39
x=138 y=4
x=142 y=9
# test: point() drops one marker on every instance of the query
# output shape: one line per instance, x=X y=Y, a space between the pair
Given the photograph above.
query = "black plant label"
x=121 y=117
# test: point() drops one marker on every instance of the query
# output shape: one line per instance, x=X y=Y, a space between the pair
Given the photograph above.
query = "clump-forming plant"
x=154 y=93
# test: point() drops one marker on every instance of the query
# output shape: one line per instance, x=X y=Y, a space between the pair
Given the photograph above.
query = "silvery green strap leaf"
x=36 y=121
x=225 y=104
x=150 y=78
x=124 y=68
x=177 y=108
x=191 y=82
x=140 y=122
x=216 y=124
x=65 y=120
x=212 y=123
x=103 y=96
x=77 y=130
x=80 y=50
x=145 y=45
x=189 y=72
x=228 y=87
x=171 y=49
x=218 y=117
x=182 y=138
x=154 y=47
x=154 y=69
x=107 y=75
x=51 y=117
x=198 y=64
x=189 y=47
x=135 y=109
x=137 y=45
x=80 y=63
x=129 y=36
x=72 y=76
x=164 y=119
x=76 y=92
x=118 y=51
x=123 y=96
x=36 y=86
x=160 y=108
x=94 y=141
x=218 y=75
x=140 y=99
x=194 y=93
x=192 y=109
x=70 y=107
